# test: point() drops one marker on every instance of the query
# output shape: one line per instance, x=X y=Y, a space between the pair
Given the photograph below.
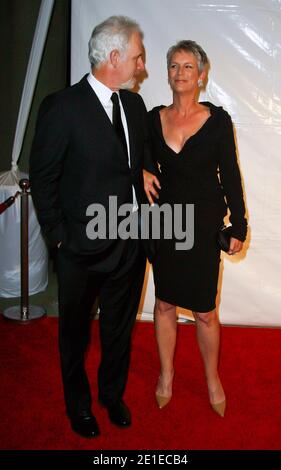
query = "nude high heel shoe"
x=161 y=400
x=219 y=408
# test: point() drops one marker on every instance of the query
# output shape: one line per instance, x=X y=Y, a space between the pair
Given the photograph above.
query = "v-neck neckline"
x=189 y=138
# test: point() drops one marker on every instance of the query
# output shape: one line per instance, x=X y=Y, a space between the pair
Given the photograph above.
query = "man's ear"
x=114 y=57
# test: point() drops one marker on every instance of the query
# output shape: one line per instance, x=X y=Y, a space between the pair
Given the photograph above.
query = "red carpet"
x=32 y=409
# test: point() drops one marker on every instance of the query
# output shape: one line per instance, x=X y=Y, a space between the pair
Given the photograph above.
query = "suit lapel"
x=94 y=103
x=95 y=106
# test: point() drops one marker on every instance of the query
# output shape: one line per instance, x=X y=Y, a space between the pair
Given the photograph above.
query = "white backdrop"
x=243 y=41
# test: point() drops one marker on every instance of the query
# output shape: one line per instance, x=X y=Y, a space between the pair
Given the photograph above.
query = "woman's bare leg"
x=165 y=321
x=208 y=337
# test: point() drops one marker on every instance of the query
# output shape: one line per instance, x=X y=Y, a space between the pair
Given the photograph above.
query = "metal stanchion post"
x=24 y=312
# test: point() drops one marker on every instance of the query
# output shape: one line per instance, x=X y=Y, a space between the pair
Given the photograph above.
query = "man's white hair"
x=113 y=33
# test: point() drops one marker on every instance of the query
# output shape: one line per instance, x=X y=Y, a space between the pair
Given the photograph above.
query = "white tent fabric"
x=243 y=42
x=10 y=273
x=31 y=75
x=10 y=219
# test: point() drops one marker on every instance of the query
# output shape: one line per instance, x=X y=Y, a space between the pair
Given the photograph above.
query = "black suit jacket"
x=77 y=160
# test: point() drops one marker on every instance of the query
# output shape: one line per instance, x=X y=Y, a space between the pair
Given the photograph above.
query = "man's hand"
x=150 y=181
x=235 y=246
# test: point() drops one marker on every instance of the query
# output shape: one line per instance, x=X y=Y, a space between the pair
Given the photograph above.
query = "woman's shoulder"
x=218 y=111
x=216 y=108
x=154 y=115
x=157 y=108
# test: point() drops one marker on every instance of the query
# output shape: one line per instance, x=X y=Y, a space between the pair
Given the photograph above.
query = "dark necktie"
x=117 y=121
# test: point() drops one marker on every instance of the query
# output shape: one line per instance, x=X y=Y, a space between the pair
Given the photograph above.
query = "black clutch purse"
x=223 y=237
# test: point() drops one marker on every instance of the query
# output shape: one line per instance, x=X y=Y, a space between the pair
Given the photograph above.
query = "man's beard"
x=129 y=84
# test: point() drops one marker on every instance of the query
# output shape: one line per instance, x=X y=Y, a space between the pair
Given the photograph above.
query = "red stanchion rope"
x=4 y=205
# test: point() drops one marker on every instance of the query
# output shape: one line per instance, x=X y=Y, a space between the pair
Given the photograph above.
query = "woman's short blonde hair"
x=189 y=46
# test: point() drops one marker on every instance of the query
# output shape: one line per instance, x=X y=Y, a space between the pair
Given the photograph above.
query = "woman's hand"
x=150 y=181
x=235 y=246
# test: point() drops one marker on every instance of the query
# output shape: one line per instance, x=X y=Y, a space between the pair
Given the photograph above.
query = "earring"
x=200 y=82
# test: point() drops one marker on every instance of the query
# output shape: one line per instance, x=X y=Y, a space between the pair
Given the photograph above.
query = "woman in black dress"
x=194 y=149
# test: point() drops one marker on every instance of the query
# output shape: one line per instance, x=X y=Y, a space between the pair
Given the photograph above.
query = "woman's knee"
x=207 y=318
x=164 y=308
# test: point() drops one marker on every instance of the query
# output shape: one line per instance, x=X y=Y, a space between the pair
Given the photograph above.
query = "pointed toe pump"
x=161 y=400
x=219 y=408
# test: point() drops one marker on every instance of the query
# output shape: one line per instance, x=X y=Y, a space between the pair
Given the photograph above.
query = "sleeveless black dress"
x=188 y=278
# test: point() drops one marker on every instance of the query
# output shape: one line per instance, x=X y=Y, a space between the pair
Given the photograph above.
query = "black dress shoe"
x=85 y=425
x=119 y=413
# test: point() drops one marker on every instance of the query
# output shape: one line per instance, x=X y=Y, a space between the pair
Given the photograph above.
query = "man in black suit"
x=80 y=157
